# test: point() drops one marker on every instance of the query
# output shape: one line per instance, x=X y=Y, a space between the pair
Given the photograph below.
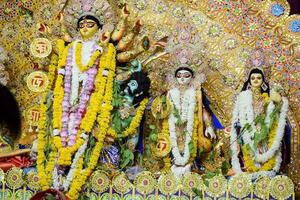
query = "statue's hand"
x=125 y=11
x=231 y=172
x=275 y=96
x=60 y=17
x=67 y=37
x=209 y=132
x=136 y=66
x=105 y=37
x=109 y=139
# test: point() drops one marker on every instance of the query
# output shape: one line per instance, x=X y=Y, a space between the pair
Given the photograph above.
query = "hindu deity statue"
x=76 y=110
x=258 y=123
x=185 y=123
x=131 y=97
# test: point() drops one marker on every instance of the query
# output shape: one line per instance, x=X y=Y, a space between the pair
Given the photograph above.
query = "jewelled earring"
x=264 y=86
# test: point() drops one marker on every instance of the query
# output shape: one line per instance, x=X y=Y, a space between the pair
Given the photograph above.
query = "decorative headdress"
x=258 y=60
x=100 y=9
x=186 y=50
x=90 y=14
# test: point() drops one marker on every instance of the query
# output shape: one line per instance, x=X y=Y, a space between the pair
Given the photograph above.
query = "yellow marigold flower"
x=78 y=58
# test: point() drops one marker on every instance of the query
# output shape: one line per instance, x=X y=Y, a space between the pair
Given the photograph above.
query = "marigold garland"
x=136 y=121
x=51 y=71
x=167 y=164
x=249 y=161
x=103 y=120
x=63 y=54
x=101 y=97
x=78 y=58
x=112 y=133
x=58 y=99
x=165 y=127
x=94 y=106
x=44 y=176
x=195 y=137
x=41 y=144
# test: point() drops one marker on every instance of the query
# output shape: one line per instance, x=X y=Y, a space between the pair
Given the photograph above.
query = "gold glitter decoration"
x=99 y=181
x=262 y=187
x=37 y=81
x=281 y=187
x=121 y=184
x=163 y=145
x=145 y=182
x=240 y=185
x=40 y=47
x=217 y=186
x=168 y=184
x=190 y=181
x=14 y=178
x=33 y=181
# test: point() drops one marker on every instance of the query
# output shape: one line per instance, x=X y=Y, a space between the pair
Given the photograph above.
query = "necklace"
x=257 y=102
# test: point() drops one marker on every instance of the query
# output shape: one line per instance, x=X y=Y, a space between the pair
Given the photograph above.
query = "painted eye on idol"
x=183 y=75
x=87 y=24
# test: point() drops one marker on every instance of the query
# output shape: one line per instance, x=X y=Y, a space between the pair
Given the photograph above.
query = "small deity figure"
x=130 y=100
x=185 y=125
x=258 y=124
x=186 y=109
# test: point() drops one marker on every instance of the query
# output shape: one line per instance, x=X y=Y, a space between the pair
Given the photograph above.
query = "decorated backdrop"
x=231 y=29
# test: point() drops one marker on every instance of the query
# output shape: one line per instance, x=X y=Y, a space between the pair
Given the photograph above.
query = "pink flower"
x=65 y=104
x=71 y=142
x=257 y=62
x=65 y=119
x=86 y=7
x=64 y=134
x=185 y=36
x=183 y=60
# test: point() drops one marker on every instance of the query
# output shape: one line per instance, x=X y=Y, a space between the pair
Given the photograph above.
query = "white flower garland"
x=70 y=175
x=55 y=178
x=243 y=112
x=271 y=173
x=77 y=76
x=186 y=110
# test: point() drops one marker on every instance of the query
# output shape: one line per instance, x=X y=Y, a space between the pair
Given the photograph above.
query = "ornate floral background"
x=230 y=29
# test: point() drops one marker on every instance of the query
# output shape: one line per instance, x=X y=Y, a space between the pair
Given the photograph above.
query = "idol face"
x=256 y=80
x=88 y=28
x=184 y=77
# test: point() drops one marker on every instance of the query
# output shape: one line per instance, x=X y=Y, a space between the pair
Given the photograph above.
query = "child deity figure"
x=258 y=124
x=186 y=127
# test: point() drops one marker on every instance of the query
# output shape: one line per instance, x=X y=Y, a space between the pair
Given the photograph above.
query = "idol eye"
x=252 y=78
x=259 y=78
x=81 y=25
x=178 y=75
x=133 y=84
x=90 y=24
x=187 y=75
